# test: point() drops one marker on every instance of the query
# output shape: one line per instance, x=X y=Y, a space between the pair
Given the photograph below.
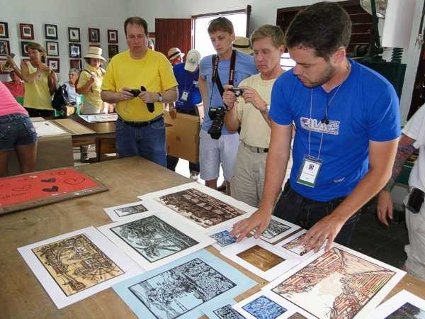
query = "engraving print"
x=153 y=238
x=408 y=311
x=296 y=246
x=227 y=312
x=199 y=207
x=264 y=308
x=224 y=238
x=338 y=284
x=260 y=257
x=76 y=264
x=129 y=210
x=297 y=316
x=176 y=291
x=274 y=229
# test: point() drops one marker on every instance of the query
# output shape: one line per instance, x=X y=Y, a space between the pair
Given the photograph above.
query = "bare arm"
x=25 y=74
x=85 y=88
x=202 y=83
x=381 y=159
x=385 y=203
x=277 y=161
x=52 y=81
x=231 y=117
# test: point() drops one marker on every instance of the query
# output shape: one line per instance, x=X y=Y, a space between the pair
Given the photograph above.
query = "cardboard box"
x=183 y=136
x=54 y=148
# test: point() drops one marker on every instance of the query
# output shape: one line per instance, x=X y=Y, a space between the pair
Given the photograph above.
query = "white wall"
x=110 y=14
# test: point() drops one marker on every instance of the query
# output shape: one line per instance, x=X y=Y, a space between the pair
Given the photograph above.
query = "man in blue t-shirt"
x=190 y=100
x=347 y=126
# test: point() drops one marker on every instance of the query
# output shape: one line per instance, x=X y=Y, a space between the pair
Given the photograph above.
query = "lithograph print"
x=153 y=239
x=264 y=308
x=187 y=288
x=224 y=238
x=260 y=257
x=337 y=284
x=278 y=229
x=227 y=312
x=293 y=245
x=76 y=265
x=119 y=212
x=402 y=305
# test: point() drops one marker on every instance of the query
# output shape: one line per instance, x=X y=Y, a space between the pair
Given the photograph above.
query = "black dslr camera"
x=217 y=115
x=136 y=92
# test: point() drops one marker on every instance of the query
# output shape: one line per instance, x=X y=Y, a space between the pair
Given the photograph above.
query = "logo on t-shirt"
x=315 y=125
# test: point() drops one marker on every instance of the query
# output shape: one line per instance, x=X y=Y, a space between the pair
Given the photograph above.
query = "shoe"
x=194 y=175
x=222 y=188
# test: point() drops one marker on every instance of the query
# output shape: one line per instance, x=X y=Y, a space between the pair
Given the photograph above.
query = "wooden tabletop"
x=98 y=127
x=22 y=296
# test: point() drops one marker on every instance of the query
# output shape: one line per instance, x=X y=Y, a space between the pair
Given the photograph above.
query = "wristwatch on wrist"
x=267 y=110
x=160 y=98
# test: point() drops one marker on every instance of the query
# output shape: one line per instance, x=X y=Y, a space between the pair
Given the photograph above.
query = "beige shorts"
x=415 y=250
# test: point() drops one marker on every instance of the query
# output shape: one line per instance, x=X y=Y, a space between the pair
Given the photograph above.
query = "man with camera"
x=248 y=107
x=140 y=81
x=412 y=139
x=217 y=145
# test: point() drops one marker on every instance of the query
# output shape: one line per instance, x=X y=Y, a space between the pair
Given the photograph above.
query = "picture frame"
x=75 y=50
x=73 y=34
x=24 y=50
x=4 y=30
x=51 y=31
x=26 y=31
x=112 y=36
x=54 y=64
x=112 y=50
x=52 y=48
x=3 y=70
x=4 y=47
x=94 y=35
x=152 y=38
x=75 y=63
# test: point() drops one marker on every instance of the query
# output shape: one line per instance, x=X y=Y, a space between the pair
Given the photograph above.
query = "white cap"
x=193 y=58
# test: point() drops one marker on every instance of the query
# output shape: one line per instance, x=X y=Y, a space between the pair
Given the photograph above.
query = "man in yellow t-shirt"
x=248 y=110
x=139 y=81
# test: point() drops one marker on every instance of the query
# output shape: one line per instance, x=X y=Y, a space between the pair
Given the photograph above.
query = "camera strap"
x=216 y=77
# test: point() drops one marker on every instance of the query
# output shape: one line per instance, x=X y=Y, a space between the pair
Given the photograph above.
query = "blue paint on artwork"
x=264 y=308
x=224 y=238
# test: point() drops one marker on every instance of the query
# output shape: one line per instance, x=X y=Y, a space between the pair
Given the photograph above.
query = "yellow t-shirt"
x=254 y=129
x=153 y=71
x=37 y=94
x=93 y=95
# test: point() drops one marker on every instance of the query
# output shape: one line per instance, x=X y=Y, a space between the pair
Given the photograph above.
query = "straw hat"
x=243 y=44
x=192 y=60
x=94 y=53
x=173 y=53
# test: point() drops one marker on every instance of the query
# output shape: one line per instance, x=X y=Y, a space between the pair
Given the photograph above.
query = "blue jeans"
x=306 y=212
x=16 y=129
x=145 y=141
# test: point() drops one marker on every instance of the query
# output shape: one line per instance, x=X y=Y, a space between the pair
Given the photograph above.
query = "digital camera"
x=135 y=92
x=217 y=115
x=238 y=91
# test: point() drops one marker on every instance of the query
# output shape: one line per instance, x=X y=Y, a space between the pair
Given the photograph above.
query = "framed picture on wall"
x=52 y=48
x=73 y=34
x=112 y=50
x=112 y=36
x=24 y=49
x=3 y=70
x=151 y=40
x=54 y=64
x=75 y=63
x=51 y=31
x=4 y=30
x=26 y=31
x=4 y=48
x=94 y=35
x=74 y=50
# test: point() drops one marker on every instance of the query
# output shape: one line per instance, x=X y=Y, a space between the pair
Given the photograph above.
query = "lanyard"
x=215 y=76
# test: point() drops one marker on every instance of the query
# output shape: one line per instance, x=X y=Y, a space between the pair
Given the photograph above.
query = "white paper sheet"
x=396 y=306
x=335 y=279
x=128 y=268
x=119 y=212
x=278 y=229
x=46 y=128
x=92 y=118
x=153 y=198
x=154 y=239
x=281 y=262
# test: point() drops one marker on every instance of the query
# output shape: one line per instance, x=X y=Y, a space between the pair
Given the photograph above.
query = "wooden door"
x=173 y=33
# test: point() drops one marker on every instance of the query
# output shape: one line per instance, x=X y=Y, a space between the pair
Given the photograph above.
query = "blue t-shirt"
x=188 y=82
x=244 y=67
x=364 y=108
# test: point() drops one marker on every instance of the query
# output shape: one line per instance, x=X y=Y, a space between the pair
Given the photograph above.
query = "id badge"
x=309 y=171
x=184 y=96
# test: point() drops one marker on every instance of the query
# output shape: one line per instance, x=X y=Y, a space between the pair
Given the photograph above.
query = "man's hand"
x=125 y=94
x=257 y=222
x=172 y=110
x=229 y=97
x=323 y=232
x=384 y=208
x=251 y=95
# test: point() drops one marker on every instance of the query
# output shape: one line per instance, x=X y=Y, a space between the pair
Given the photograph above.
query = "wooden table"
x=22 y=296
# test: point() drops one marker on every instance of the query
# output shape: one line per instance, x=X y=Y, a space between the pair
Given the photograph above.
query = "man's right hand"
x=125 y=94
x=257 y=222
x=384 y=207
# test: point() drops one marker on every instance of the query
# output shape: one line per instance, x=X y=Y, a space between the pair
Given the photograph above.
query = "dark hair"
x=39 y=48
x=268 y=30
x=138 y=21
x=323 y=26
x=221 y=24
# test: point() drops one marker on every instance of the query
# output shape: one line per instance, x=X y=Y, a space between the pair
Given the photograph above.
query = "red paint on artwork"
x=42 y=185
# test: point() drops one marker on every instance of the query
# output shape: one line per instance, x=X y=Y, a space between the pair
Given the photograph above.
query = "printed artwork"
x=129 y=210
x=295 y=246
x=261 y=258
x=39 y=188
x=407 y=311
x=337 y=284
x=203 y=209
x=224 y=238
x=76 y=264
x=180 y=289
x=153 y=238
x=264 y=308
x=297 y=316
x=275 y=228
x=227 y=312
x=404 y=304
